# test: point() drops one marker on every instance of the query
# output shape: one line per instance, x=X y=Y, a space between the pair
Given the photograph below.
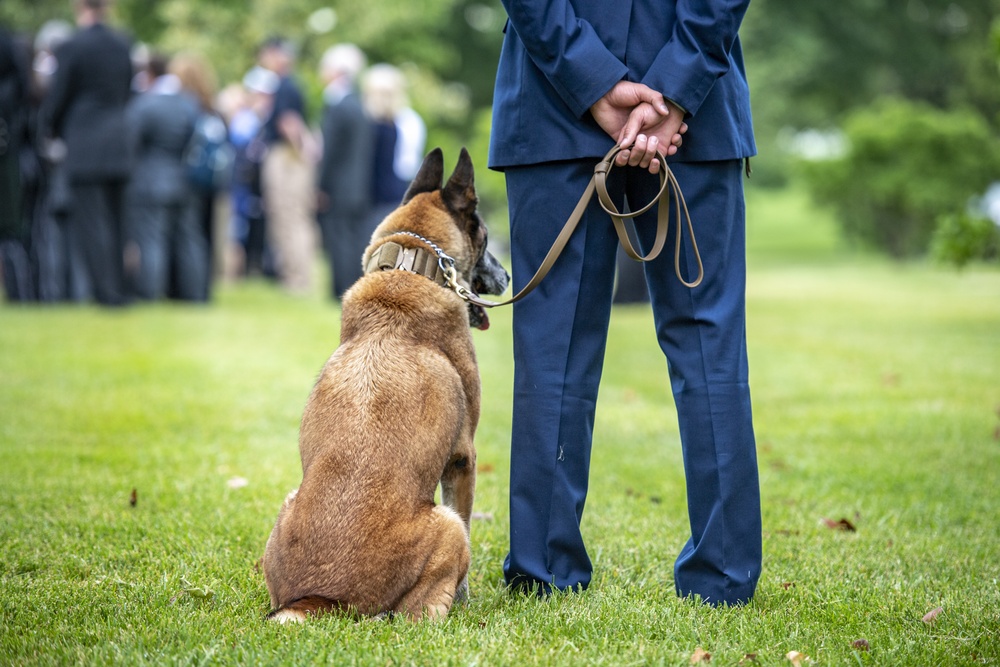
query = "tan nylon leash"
x=598 y=183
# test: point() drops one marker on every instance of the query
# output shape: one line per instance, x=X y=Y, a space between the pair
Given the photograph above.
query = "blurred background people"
x=399 y=138
x=251 y=103
x=86 y=109
x=288 y=178
x=209 y=160
x=14 y=233
x=345 y=171
x=163 y=210
x=61 y=271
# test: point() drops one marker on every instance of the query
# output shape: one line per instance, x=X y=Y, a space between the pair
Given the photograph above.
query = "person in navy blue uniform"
x=574 y=78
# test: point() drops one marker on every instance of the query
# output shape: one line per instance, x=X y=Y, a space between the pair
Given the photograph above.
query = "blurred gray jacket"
x=160 y=124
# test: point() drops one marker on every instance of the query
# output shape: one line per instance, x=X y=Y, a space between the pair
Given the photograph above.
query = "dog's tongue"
x=484 y=324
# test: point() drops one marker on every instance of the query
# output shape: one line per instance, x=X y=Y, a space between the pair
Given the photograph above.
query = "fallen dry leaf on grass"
x=133 y=498
x=843 y=524
x=860 y=644
x=748 y=657
x=700 y=655
x=797 y=659
x=932 y=615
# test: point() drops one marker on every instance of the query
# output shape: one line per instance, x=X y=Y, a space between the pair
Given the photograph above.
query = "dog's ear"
x=460 y=191
x=429 y=177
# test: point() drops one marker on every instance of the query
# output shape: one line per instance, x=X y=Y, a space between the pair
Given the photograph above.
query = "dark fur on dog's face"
x=486 y=275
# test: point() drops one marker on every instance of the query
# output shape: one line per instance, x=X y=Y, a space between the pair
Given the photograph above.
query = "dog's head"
x=460 y=231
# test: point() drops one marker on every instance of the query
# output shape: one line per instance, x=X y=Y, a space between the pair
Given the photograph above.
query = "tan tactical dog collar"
x=391 y=255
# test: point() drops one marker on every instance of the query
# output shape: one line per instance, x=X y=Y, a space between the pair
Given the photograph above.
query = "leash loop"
x=598 y=184
x=667 y=180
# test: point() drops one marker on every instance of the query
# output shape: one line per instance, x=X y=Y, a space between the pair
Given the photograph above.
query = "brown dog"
x=392 y=415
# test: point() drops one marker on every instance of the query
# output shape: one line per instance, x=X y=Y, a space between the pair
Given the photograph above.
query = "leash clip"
x=451 y=278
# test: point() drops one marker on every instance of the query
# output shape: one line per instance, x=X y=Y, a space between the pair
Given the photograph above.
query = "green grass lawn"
x=877 y=400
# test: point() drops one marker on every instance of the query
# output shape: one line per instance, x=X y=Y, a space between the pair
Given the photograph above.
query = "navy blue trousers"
x=560 y=333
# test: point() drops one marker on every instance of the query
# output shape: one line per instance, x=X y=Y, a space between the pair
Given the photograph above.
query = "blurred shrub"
x=906 y=164
x=965 y=237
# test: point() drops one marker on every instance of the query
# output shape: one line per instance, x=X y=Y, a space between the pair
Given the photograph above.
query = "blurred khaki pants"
x=288 y=184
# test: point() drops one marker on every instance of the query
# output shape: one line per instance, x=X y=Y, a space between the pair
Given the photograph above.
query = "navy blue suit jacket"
x=561 y=56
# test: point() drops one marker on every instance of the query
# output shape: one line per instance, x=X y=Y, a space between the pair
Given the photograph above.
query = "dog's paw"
x=283 y=616
x=462 y=592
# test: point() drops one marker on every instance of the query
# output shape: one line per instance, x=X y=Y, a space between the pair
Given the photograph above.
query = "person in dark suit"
x=15 y=270
x=86 y=109
x=575 y=78
x=345 y=167
x=164 y=212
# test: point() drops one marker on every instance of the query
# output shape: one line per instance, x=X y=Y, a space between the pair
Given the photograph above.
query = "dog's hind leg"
x=458 y=490
x=458 y=484
x=446 y=569
x=275 y=571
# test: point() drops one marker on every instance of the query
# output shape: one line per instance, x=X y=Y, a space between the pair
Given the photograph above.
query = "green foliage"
x=810 y=63
x=28 y=15
x=961 y=238
x=906 y=164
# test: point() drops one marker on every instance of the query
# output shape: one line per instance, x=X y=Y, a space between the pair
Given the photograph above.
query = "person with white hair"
x=346 y=166
x=400 y=136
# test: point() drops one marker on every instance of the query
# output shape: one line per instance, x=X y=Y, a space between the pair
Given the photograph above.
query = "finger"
x=630 y=130
x=638 y=153
x=650 y=154
x=638 y=93
x=658 y=102
x=654 y=166
x=646 y=94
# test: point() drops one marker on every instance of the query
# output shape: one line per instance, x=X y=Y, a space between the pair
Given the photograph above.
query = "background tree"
x=907 y=164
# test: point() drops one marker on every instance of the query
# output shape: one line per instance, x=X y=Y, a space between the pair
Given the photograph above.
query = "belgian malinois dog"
x=392 y=415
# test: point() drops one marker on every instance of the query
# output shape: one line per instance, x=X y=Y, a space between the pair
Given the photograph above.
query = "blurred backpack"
x=209 y=155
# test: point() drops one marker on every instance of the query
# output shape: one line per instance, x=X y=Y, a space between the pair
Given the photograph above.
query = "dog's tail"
x=312 y=605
